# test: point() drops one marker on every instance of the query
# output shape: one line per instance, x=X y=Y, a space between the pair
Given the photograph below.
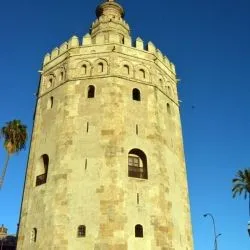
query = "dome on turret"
x=110 y=8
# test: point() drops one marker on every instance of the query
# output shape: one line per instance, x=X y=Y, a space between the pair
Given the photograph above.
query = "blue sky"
x=207 y=40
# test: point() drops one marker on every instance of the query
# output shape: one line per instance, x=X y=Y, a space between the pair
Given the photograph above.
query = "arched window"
x=137 y=164
x=142 y=73
x=84 y=69
x=139 y=231
x=33 y=235
x=168 y=108
x=43 y=169
x=136 y=95
x=100 y=67
x=125 y=69
x=50 y=103
x=91 y=91
x=81 y=231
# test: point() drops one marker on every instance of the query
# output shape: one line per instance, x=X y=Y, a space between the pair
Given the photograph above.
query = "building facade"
x=106 y=169
x=7 y=242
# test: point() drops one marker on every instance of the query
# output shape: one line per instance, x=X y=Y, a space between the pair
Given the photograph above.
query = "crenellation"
x=166 y=61
x=159 y=55
x=87 y=40
x=63 y=48
x=73 y=42
x=172 y=66
x=139 y=43
x=54 y=53
x=151 y=48
x=46 y=59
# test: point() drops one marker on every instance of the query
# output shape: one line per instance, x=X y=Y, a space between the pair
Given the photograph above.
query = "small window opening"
x=136 y=95
x=86 y=164
x=139 y=231
x=81 y=231
x=87 y=127
x=91 y=91
x=33 y=235
x=168 y=108
x=123 y=40
x=136 y=129
x=100 y=67
x=84 y=69
x=142 y=73
x=50 y=102
x=138 y=198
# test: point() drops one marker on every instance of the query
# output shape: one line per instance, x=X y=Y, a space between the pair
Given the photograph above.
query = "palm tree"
x=15 y=136
x=241 y=184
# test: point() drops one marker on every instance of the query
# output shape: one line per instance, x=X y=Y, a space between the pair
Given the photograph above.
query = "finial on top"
x=110 y=8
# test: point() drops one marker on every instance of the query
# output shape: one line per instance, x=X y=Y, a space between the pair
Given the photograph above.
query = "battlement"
x=106 y=19
x=99 y=39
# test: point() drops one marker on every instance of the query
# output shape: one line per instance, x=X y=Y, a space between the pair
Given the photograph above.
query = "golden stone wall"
x=88 y=141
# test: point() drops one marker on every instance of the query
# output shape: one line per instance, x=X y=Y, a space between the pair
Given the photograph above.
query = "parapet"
x=100 y=39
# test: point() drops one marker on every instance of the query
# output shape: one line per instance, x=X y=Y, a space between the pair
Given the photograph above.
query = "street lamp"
x=216 y=236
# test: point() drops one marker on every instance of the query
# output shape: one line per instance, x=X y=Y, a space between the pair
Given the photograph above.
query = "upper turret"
x=110 y=20
x=110 y=8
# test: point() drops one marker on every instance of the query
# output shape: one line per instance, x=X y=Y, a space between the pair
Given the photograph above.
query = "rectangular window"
x=133 y=161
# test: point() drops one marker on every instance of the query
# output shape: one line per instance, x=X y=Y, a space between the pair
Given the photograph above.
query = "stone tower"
x=106 y=169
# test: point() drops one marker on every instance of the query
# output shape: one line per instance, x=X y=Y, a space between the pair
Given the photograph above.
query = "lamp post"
x=216 y=236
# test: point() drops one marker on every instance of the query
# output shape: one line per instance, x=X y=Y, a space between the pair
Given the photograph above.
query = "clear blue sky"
x=208 y=40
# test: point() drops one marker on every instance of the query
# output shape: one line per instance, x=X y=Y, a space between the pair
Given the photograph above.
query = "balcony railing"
x=137 y=172
x=41 y=179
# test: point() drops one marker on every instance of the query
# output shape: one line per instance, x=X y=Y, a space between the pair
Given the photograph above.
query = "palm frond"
x=241 y=183
x=15 y=136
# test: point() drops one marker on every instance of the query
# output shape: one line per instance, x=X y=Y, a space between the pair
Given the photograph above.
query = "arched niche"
x=84 y=68
x=142 y=73
x=126 y=69
x=100 y=67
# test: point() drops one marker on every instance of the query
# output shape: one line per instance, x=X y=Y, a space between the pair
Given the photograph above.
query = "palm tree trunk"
x=4 y=170
x=249 y=202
